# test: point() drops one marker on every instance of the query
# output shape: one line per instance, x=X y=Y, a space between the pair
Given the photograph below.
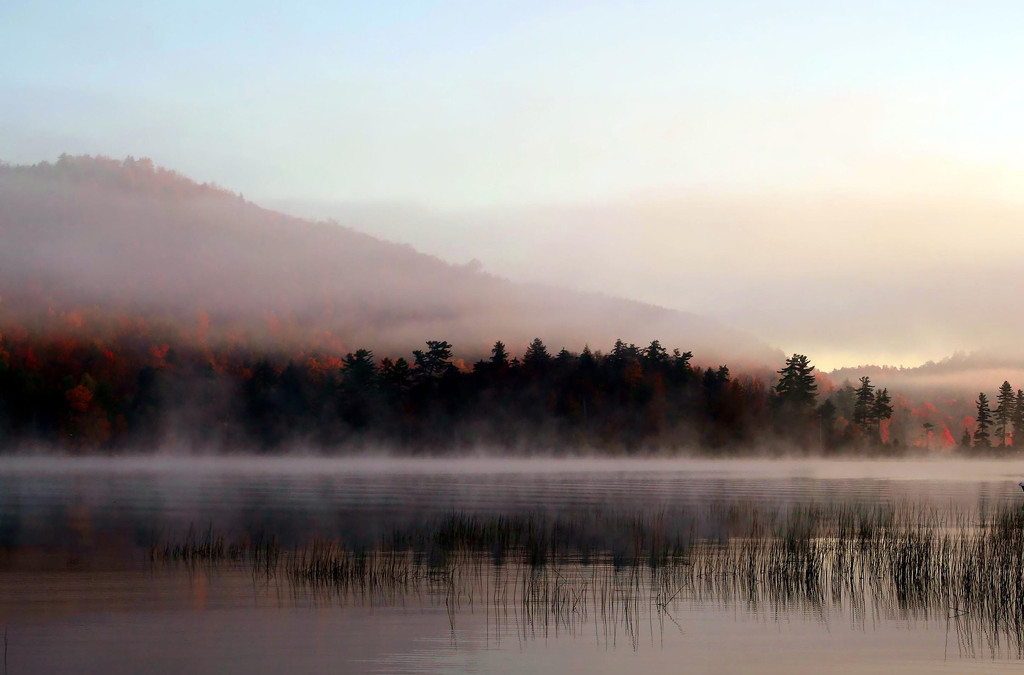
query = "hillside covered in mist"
x=140 y=309
x=88 y=241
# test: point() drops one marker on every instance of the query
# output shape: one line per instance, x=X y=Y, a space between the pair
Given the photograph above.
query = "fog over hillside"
x=958 y=375
x=104 y=236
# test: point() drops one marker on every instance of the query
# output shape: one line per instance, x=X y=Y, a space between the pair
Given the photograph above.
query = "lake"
x=90 y=581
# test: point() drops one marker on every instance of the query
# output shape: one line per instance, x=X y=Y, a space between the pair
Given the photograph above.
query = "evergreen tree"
x=845 y=398
x=714 y=382
x=1006 y=405
x=796 y=389
x=536 y=358
x=655 y=357
x=622 y=353
x=588 y=361
x=881 y=410
x=864 y=404
x=358 y=384
x=965 y=440
x=499 y=356
x=984 y=421
x=396 y=376
x=435 y=362
x=1018 y=420
x=360 y=371
x=681 y=368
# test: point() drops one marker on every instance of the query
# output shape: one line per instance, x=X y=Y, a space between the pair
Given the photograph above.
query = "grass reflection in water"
x=613 y=573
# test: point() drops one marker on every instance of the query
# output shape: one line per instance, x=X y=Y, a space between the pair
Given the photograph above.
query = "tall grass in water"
x=609 y=568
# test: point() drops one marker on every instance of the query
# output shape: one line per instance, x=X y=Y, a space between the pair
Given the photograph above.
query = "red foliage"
x=159 y=354
x=79 y=398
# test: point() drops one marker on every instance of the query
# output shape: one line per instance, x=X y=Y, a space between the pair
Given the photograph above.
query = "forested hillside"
x=90 y=241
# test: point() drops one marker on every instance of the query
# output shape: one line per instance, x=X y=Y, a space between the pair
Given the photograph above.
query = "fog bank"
x=94 y=235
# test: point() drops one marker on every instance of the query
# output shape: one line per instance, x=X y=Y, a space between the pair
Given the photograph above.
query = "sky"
x=844 y=180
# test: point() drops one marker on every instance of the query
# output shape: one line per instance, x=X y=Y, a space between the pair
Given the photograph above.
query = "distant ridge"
x=957 y=374
x=88 y=239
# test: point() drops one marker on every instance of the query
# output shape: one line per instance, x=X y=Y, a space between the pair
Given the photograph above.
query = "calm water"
x=78 y=594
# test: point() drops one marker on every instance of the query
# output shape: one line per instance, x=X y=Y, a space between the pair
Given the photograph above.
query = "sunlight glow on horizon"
x=506 y=132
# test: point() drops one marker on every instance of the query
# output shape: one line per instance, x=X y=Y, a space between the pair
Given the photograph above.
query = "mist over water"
x=86 y=560
x=53 y=501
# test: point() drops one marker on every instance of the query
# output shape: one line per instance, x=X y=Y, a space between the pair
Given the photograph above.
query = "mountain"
x=961 y=374
x=89 y=240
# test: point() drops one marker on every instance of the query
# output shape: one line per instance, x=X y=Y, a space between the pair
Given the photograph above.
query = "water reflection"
x=549 y=576
x=628 y=559
x=57 y=503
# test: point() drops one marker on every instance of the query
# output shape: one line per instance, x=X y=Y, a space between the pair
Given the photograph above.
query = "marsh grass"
x=262 y=552
x=561 y=573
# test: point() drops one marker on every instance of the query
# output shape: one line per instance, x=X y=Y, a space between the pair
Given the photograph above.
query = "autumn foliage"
x=130 y=385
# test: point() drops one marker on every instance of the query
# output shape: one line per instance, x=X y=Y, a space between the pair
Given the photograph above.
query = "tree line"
x=130 y=395
x=995 y=428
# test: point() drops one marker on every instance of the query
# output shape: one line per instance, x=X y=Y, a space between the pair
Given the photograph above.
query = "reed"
x=902 y=560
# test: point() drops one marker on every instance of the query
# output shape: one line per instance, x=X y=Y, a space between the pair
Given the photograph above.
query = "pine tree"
x=435 y=362
x=1006 y=405
x=396 y=376
x=537 y=355
x=1018 y=420
x=655 y=357
x=588 y=361
x=881 y=410
x=360 y=370
x=536 y=359
x=845 y=397
x=965 y=440
x=499 y=356
x=357 y=393
x=864 y=405
x=797 y=388
x=681 y=368
x=984 y=421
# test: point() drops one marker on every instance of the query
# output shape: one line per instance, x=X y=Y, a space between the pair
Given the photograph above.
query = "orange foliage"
x=320 y=366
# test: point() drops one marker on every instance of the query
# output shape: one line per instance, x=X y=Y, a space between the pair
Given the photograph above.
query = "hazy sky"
x=844 y=179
